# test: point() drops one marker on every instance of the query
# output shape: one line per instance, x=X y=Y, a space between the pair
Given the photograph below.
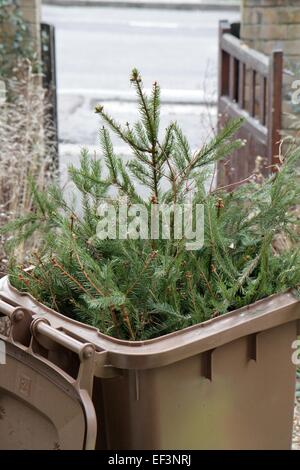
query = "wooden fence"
x=250 y=85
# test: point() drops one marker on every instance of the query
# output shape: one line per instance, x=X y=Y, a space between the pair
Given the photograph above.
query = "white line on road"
x=167 y=95
x=150 y=24
x=75 y=149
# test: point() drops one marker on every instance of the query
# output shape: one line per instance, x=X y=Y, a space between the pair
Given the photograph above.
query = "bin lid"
x=41 y=407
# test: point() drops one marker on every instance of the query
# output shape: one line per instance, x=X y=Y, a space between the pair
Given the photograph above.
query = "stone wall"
x=275 y=24
x=31 y=10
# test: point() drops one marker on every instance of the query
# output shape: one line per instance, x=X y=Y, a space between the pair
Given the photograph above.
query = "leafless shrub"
x=26 y=146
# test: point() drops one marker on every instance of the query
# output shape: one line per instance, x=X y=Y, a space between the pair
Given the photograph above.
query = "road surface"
x=98 y=47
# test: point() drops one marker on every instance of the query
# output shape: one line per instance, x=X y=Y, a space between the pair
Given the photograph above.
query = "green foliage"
x=15 y=41
x=140 y=289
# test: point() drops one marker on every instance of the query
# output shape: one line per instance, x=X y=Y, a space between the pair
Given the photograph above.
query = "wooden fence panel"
x=250 y=86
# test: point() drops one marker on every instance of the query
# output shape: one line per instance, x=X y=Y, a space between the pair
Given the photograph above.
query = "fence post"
x=223 y=76
x=274 y=107
x=223 y=87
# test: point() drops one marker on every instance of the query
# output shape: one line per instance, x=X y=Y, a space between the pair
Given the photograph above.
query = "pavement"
x=161 y=4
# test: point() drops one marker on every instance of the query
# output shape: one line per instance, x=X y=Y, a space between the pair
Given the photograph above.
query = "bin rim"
x=262 y=315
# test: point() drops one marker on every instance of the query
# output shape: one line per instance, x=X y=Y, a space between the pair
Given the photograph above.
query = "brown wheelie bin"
x=228 y=383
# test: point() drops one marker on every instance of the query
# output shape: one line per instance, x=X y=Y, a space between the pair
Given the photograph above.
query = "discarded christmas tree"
x=134 y=288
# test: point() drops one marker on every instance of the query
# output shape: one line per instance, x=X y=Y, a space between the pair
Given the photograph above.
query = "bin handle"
x=41 y=327
x=20 y=320
x=6 y=309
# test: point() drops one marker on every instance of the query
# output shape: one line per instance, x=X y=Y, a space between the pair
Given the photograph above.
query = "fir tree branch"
x=56 y=264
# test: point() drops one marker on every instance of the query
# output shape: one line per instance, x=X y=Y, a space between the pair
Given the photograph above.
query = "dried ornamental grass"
x=26 y=145
x=26 y=149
